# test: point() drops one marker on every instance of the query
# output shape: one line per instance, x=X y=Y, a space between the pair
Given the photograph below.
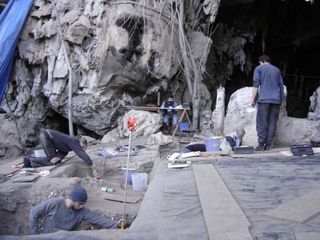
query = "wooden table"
x=144 y=108
x=182 y=115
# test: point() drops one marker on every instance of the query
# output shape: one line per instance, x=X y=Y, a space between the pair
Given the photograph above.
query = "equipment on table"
x=185 y=105
x=302 y=149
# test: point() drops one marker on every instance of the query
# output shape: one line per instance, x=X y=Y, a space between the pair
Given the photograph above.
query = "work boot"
x=267 y=147
x=260 y=148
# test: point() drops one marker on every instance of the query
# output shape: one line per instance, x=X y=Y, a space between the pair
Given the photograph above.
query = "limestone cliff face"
x=115 y=51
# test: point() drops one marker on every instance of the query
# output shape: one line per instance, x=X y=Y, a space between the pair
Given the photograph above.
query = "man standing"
x=269 y=90
x=66 y=214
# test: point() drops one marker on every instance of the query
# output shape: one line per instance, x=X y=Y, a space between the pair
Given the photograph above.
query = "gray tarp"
x=171 y=208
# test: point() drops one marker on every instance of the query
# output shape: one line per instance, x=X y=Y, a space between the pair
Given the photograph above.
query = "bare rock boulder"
x=241 y=114
x=8 y=139
x=314 y=108
x=296 y=130
x=159 y=139
x=289 y=130
x=148 y=123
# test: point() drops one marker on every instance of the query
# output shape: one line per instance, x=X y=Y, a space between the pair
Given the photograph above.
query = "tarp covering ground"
x=11 y=23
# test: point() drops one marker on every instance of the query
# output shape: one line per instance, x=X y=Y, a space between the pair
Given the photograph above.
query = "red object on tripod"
x=132 y=123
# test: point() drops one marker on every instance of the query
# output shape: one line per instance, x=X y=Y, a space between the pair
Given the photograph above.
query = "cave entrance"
x=285 y=30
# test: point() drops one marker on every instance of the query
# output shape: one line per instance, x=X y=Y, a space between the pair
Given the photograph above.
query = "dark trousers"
x=47 y=144
x=49 y=149
x=267 y=119
x=36 y=161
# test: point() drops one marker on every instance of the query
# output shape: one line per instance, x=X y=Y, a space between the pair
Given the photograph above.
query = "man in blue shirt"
x=168 y=111
x=66 y=214
x=268 y=92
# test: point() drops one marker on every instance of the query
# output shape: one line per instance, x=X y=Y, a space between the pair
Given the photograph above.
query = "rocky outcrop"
x=148 y=123
x=241 y=114
x=314 y=107
x=289 y=130
x=8 y=147
x=120 y=53
x=297 y=130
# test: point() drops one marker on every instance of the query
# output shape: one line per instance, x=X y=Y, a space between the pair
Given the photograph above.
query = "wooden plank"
x=144 y=108
x=271 y=152
x=30 y=178
x=299 y=210
x=119 y=198
x=224 y=218
x=197 y=159
x=256 y=155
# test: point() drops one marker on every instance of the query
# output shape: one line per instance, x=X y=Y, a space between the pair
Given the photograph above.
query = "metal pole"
x=126 y=181
x=70 y=80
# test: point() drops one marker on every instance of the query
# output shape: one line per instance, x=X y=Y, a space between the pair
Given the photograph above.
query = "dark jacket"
x=65 y=143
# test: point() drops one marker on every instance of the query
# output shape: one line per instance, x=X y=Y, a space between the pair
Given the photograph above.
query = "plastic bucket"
x=131 y=170
x=213 y=143
x=139 y=182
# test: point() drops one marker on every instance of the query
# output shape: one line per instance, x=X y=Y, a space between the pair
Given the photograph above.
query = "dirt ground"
x=17 y=198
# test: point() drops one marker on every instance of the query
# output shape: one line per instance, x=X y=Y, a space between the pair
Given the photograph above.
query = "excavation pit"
x=18 y=198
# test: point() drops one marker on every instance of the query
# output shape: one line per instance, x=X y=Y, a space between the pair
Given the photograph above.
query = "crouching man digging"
x=66 y=214
x=56 y=146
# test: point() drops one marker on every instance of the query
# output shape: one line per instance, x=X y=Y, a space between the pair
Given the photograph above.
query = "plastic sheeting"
x=11 y=23
x=171 y=208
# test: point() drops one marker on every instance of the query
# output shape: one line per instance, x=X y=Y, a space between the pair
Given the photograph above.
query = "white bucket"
x=39 y=153
x=139 y=182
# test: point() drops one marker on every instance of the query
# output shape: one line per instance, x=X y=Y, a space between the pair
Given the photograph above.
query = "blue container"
x=213 y=144
x=131 y=170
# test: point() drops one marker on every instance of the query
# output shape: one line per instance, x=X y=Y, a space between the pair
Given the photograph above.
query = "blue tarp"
x=11 y=23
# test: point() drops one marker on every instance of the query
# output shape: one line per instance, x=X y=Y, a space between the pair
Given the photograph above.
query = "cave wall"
x=286 y=30
x=119 y=54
